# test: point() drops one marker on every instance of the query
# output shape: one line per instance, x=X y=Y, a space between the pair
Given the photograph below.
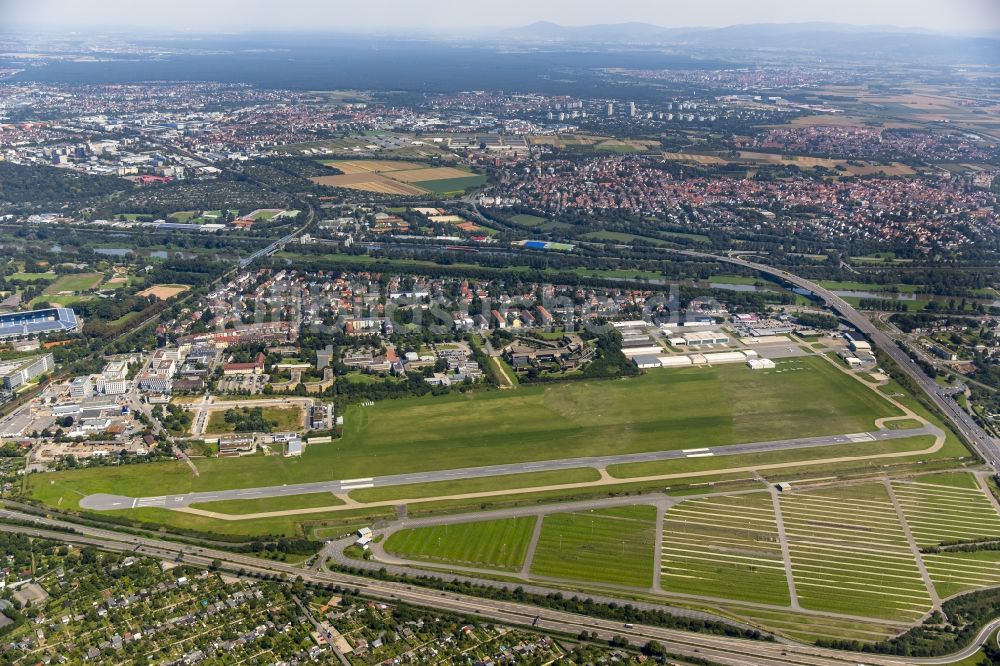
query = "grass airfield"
x=663 y=410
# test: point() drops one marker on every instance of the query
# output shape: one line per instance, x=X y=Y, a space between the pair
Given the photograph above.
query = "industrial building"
x=22 y=325
x=293 y=447
x=237 y=445
x=856 y=343
x=687 y=360
x=646 y=361
x=18 y=372
x=80 y=387
x=650 y=349
x=705 y=338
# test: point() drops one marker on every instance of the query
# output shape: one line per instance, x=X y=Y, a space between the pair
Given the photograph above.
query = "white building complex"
x=17 y=372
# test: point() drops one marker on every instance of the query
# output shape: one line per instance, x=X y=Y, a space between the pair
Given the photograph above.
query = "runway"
x=105 y=502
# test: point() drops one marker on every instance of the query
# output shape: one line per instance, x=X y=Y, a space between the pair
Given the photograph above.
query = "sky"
x=953 y=16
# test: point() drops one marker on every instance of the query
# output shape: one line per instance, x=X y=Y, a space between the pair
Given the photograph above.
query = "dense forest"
x=22 y=186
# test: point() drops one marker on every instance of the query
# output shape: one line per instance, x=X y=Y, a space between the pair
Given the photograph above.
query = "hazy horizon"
x=957 y=16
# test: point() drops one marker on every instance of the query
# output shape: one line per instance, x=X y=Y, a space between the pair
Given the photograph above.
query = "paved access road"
x=103 y=502
x=988 y=447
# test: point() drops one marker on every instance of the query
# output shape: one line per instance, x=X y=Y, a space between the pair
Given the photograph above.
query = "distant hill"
x=881 y=40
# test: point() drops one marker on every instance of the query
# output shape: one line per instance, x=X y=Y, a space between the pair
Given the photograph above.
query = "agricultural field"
x=724 y=547
x=428 y=173
x=850 y=555
x=941 y=514
x=528 y=220
x=613 y=546
x=621 y=237
x=806 y=162
x=563 y=140
x=694 y=158
x=451 y=185
x=738 y=280
x=369 y=182
x=626 y=145
x=492 y=544
x=809 y=628
x=867 y=286
x=954 y=571
x=367 y=166
x=399 y=177
x=712 y=406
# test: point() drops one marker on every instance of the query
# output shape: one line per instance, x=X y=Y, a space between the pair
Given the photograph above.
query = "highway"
x=719 y=649
x=986 y=446
x=105 y=502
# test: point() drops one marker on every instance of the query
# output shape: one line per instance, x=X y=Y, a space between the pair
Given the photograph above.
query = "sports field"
x=80 y=282
x=603 y=546
x=850 y=554
x=724 y=547
x=661 y=410
x=164 y=291
x=493 y=544
x=21 y=276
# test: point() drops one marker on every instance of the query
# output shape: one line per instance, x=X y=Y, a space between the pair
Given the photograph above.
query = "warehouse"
x=631 y=341
x=642 y=351
x=760 y=363
x=729 y=357
x=646 y=361
x=766 y=340
x=703 y=338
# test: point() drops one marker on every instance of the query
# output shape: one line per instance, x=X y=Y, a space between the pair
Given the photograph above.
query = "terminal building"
x=24 y=325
